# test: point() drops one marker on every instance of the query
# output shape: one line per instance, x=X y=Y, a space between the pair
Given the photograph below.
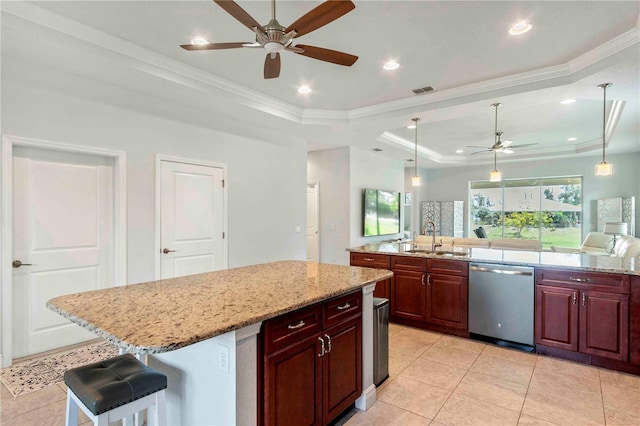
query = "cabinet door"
x=604 y=324
x=556 y=320
x=293 y=385
x=447 y=300
x=408 y=295
x=342 y=367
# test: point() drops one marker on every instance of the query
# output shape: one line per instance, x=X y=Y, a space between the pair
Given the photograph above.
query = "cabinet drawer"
x=292 y=327
x=448 y=267
x=407 y=263
x=342 y=308
x=381 y=261
x=597 y=281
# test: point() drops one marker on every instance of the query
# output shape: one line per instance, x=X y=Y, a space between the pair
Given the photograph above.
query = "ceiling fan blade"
x=523 y=145
x=320 y=16
x=239 y=13
x=327 y=55
x=480 y=152
x=507 y=150
x=506 y=143
x=476 y=146
x=272 y=65
x=215 y=46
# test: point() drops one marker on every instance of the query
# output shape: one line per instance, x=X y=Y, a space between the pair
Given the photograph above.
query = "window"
x=545 y=209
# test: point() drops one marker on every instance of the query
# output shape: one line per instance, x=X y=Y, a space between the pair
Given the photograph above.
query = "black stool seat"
x=117 y=381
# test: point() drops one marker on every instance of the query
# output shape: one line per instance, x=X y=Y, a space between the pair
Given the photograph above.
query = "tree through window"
x=545 y=209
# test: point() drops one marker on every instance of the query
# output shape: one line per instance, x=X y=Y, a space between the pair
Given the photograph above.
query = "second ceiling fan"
x=499 y=145
x=275 y=38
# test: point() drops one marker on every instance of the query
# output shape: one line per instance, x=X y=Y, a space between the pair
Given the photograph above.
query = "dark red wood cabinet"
x=448 y=294
x=584 y=312
x=409 y=290
x=312 y=363
x=556 y=313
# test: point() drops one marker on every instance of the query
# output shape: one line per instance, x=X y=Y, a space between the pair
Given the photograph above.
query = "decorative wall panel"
x=448 y=217
x=617 y=209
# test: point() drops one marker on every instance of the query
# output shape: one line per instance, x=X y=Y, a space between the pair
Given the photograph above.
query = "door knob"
x=166 y=251
x=17 y=264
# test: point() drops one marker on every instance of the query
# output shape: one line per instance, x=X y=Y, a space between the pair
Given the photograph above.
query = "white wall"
x=331 y=169
x=372 y=170
x=266 y=183
x=449 y=184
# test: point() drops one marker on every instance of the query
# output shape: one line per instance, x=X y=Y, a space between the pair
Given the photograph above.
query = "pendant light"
x=604 y=168
x=415 y=180
x=495 y=175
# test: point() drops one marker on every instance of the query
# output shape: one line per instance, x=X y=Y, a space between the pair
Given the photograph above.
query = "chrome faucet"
x=433 y=236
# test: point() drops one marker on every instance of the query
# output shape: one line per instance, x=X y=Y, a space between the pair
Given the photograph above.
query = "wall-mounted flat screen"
x=381 y=212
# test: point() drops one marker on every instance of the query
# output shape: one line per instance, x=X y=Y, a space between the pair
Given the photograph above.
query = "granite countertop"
x=548 y=259
x=160 y=316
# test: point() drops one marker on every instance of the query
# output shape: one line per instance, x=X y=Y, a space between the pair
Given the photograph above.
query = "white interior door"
x=191 y=219
x=313 y=223
x=63 y=215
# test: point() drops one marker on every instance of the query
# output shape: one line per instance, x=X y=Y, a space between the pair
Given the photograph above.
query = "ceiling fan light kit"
x=275 y=38
x=603 y=168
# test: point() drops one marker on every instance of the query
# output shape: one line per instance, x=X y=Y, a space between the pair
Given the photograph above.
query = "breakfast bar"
x=202 y=330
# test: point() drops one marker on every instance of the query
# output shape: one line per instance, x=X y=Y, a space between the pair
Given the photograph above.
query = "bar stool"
x=114 y=389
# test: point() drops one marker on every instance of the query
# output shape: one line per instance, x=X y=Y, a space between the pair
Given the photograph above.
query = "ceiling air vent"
x=423 y=90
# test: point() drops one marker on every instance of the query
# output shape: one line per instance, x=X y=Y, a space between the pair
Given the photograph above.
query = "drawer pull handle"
x=574 y=297
x=343 y=307
x=579 y=280
x=297 y=326
x=584 y=299
x=368 y=259
x=322 y=352
x=328 y=342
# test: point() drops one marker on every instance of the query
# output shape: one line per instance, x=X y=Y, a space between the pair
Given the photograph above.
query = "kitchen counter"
x=548 y=259
x=202 y=330
x=164 y=315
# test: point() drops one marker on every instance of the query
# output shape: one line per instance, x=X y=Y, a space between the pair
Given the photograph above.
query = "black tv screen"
x=381 y=212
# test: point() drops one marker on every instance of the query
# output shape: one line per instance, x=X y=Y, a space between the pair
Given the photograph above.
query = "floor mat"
x=39 y=372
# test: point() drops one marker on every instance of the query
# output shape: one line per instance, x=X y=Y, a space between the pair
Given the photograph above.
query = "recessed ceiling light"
x=520 y=28
x=572 y=139
x=411 y=126
x=304 y=90
x=459 y=151
x=199 y=40
x=391 y=65
x=568 y=101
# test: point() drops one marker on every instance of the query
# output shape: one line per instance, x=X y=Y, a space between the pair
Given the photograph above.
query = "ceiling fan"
x=499 y=145
x=275 y=38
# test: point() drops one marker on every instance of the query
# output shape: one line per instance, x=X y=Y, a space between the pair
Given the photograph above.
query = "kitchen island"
x=201 y=330
x=571 y=305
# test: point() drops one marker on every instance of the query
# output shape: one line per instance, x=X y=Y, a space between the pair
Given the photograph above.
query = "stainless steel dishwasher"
x=501 y=300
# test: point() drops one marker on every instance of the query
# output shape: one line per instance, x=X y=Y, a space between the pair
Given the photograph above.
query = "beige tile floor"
x=437 y=379
x=443 y=380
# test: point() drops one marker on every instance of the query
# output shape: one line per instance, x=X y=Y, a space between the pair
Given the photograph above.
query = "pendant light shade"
x=495 y=175
x=415 y=180
x=603 y=168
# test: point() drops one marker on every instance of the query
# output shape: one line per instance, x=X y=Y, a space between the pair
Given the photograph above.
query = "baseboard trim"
x=367 y=399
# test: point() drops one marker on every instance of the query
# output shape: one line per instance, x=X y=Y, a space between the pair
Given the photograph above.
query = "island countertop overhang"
x=160 y=316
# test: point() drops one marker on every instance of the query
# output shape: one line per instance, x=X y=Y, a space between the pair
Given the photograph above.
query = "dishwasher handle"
x=501 y=271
